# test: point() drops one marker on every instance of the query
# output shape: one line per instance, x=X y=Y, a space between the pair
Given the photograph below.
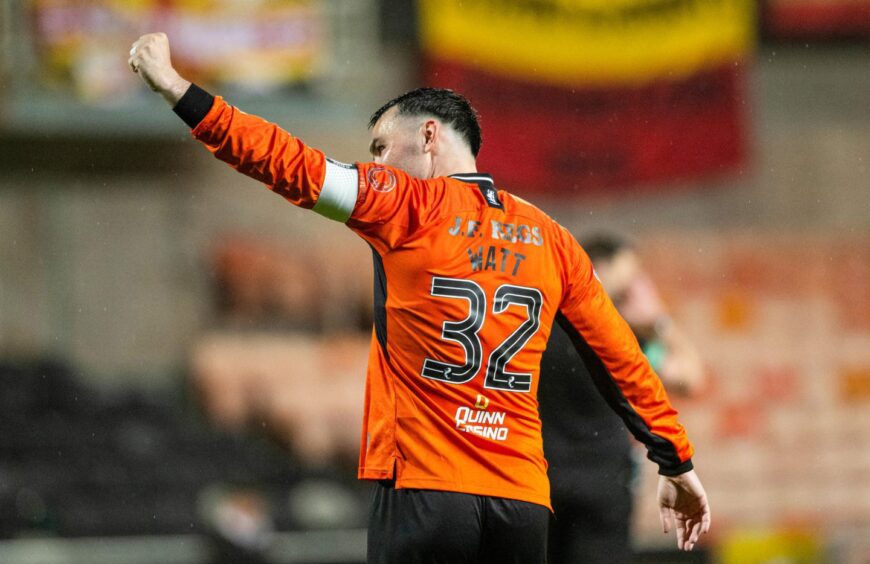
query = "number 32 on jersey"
x=465 y=333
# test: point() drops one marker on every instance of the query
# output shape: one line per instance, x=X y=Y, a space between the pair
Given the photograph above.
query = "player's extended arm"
x=251 y=145
x=627 y=382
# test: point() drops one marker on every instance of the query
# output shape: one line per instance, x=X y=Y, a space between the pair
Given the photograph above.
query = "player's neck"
x=446 y=165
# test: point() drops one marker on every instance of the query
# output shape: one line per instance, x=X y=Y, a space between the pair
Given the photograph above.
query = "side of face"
x=629 y=286
x=403 y=142
x=618 y=273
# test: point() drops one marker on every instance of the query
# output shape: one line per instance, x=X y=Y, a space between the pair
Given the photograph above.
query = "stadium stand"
x=75 y=462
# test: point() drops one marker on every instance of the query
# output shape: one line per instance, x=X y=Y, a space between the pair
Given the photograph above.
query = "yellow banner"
x=588 y=42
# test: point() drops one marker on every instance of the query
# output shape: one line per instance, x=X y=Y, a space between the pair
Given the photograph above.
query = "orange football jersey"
x=469 y=280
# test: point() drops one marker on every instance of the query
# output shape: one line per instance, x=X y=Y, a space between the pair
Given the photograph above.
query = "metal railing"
x=302 y=547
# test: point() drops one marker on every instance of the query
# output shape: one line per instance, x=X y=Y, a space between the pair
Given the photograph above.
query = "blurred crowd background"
x=182 y=353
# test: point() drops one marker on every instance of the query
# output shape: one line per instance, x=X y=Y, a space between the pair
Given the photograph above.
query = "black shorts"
x=432 y=527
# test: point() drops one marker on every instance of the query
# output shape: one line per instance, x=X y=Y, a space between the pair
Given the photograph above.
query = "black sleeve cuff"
x=677 y=470
x=194 y=105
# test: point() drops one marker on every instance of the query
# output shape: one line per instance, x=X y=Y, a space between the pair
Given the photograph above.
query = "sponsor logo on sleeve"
x=381 y=179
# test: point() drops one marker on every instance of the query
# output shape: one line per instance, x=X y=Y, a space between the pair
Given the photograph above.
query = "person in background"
x=591 y=458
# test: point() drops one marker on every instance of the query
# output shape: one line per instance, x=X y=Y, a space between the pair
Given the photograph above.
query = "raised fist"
x=149 y=57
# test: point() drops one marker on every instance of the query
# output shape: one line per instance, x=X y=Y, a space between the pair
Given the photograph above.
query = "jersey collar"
x=485 y=184
x=475 y=178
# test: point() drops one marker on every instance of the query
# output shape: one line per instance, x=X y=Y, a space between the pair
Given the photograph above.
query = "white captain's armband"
x=338 y=194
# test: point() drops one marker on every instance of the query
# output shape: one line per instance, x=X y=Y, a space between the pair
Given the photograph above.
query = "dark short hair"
x=604 y=246
x=442 y=103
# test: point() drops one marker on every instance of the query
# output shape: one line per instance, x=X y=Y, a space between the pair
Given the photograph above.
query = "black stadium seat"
x=78 y=462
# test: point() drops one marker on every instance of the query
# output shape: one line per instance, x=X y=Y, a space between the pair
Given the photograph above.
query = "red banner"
x=543 y=138
x=817 y=19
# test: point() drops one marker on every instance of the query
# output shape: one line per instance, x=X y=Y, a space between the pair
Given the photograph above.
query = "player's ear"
x=430 y=134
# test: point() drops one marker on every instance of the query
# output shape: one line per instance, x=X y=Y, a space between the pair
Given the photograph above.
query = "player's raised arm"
x=625 y=378
x=251 y=145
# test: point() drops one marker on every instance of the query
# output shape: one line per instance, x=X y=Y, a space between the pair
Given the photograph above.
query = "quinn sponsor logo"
x=487 y=424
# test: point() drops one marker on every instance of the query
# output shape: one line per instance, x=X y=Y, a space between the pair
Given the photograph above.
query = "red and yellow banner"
x=584 y=94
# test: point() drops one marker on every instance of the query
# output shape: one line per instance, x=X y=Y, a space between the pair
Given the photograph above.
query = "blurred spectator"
x=672 y=354
x=591 y=460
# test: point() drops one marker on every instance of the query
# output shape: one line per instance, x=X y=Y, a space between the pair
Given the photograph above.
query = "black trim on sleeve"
x=380 y=301
x=194 y=105
x=681 y=469
x=660 y=450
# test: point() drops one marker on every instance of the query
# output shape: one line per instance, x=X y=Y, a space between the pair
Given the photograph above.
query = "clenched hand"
x=149 y=57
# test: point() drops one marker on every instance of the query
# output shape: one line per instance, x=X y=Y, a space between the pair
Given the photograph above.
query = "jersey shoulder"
x=562 y=245
x=516 y=206
x=462 y=194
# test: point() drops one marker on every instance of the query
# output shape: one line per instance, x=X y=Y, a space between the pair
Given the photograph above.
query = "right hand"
x=683 y=506
x=149 y=57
